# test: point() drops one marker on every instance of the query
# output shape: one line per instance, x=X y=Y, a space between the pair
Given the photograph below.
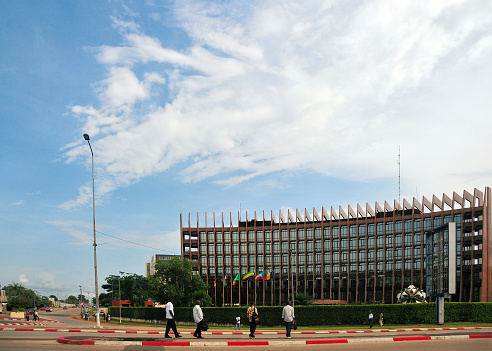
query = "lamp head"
x=86 y=137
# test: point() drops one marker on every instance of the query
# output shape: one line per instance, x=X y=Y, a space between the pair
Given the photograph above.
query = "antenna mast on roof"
x=399 y=177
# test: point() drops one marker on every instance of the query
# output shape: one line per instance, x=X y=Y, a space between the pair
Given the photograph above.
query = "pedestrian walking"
x=238 y=323
x=288 y=317
x=198 y=317
x=27 y=315
x=370 y=319
x=108 y=317
x=252 y=314
x=381 y=319
x=171 y=324
x=36 y=316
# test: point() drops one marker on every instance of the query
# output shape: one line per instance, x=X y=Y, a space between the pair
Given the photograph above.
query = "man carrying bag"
x=198 y=317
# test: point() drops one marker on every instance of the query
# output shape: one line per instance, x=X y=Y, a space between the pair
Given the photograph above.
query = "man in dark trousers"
x=198 y=317
x=171 y=324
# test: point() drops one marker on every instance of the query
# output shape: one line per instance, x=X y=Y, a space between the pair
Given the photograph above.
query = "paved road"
x=45 y=337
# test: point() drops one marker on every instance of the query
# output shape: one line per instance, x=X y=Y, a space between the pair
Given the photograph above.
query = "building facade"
x=150 y=267
x=362 y=254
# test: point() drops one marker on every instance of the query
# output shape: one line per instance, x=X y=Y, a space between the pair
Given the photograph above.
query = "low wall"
x=17 y=315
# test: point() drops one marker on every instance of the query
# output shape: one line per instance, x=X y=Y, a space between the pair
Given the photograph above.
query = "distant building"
x=150 y=267
x=361 y=254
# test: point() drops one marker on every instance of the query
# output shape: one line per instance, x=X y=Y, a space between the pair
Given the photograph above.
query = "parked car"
x=65 y=307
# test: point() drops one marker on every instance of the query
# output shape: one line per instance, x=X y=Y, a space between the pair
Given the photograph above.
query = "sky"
x=225 y=106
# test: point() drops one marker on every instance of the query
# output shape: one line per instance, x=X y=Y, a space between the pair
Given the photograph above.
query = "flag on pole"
x=259 y=276
x=225 y=280
x=248 y=275
x=215 y=282
x=267 y=276
x=235 y=279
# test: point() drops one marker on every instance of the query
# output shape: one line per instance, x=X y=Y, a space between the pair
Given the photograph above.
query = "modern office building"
x=150 y=267
x=362 y=254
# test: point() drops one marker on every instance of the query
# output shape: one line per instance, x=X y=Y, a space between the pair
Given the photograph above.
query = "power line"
x=134 y=243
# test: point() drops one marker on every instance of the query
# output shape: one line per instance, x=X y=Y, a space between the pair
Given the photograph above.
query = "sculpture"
x=411 y=295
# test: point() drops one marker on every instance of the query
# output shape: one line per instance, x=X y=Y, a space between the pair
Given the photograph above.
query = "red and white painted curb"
x=234 y=332
x=64 y=340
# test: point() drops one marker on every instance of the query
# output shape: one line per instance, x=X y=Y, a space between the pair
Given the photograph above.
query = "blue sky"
x=200 y=106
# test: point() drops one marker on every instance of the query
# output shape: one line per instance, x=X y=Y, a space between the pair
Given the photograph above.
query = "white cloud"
x=269 y=87
x=23 y=280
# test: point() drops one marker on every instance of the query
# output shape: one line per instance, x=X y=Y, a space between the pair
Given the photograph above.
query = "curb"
x=117 y=331
x=66 y=340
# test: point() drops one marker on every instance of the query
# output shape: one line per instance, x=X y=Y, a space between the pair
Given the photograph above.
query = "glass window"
x=259 y=260
x=437 y=222
x=203 y=237
x=259 y=235
x=398 y=240
x=251 y=260
x=370 y=255
x=326 y=232
x=227 y=237
x=211 y=248
x=362 y=255
x=362 y=230
x=380 y=228
x=380 y=241
x=326 y=256
x=389 y=241
x=218 y=237
x=408 y=239
x=211 y=260
x=300 y=234
x=317 y=245
x=309 y=233
x=219 y=249
x=259 y=248
x=235 y=261
x=300 y=246
x=292 y=234
x=251 y=235
x=235 y=237
x=334 y=245
x=210 y=237
x=244 y=260
x=427 y=223
x=309 y=246
x=317 y=233
x=457 y=219
x=398 y=252
x=268 y=260
x=353 y=231
x=353 y=243
x=219 y=260
x=276 y=259
x=326 y=245
x=344 y=244
x=275 y=235
x=203 y=248
x=227 y=248
x=275 y=247
x=235 y=248
x=242 y=236
x=389 y=254
x=309 y=258
x=398 y=227
x=362 y=243
x=268 y=248
x=251 y=248
x=370 y=229
x=227 y=260
x=343 y=231
x=284 y=235
x=389 y=227
x=334 y=232
x=285 y=246
x=370 y=242
x=243 y=248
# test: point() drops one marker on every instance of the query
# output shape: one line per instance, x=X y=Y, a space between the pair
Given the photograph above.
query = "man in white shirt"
x=171 y=324
x=198 y=317
x=288 y=317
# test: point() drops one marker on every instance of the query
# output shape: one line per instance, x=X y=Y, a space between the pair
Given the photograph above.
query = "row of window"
x=371 y=268
x=309 y=258
x=344 y=231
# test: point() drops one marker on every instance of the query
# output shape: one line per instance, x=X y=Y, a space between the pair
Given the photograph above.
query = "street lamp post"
x=98 y=322
x=292 y=272
x=119 y=295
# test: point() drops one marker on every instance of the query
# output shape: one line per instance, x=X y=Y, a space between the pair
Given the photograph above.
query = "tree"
x=134 y=288
x=174 y=280
x=72 y=299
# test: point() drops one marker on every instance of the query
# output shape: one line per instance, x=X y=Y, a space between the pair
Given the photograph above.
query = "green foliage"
x=131 y=287
x=72 y=299
x=303 y=299
x=20 y=298
x=174 y=281
x=331 y=315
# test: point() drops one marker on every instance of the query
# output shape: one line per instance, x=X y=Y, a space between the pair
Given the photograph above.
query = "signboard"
x=441 y=260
